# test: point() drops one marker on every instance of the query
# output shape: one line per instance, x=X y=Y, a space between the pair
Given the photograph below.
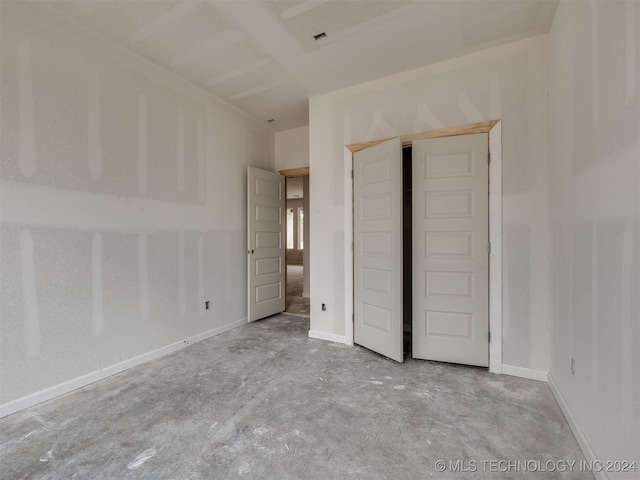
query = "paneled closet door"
x=377 y=261
x=450 y=192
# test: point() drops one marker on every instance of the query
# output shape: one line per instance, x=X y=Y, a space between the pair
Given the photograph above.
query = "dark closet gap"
x=406 y=251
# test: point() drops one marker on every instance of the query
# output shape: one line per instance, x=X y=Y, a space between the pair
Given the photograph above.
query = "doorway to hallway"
x=297 y=242
x=297 y=302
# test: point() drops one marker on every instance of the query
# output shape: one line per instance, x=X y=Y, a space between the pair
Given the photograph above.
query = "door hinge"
x=489 y=247
x=489 y=158
x=489 y=337
x=351 y=174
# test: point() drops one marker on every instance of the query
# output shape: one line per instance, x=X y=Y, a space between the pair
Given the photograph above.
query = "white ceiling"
x=261 y=55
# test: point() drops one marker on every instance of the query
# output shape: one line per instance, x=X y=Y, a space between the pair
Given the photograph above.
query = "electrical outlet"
x=573 y=366
x=206 y=305
x=324 y=307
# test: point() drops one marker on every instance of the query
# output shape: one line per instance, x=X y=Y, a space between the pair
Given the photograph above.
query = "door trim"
x=495 y=256
x=494 y=129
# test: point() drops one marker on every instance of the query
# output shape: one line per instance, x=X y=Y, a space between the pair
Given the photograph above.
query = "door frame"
x=494 y=129
x=295 y=172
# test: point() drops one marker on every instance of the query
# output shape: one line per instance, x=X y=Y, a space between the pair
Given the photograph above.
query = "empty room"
x=315 y=239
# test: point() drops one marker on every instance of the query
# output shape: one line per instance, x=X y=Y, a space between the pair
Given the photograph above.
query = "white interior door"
x=377 y=256
x=265 y=243
x=450 y=192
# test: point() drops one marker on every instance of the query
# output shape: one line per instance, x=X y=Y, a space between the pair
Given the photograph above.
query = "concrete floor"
x=266 y=402
x=296 y=303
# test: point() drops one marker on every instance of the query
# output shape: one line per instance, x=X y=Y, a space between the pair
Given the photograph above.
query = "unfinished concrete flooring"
x=296 y=302
x=266 y=402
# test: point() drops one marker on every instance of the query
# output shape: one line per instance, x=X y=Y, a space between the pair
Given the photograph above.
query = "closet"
x=421 y=248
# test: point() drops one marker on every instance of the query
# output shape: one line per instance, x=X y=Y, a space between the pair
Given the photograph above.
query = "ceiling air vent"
x=320 y=36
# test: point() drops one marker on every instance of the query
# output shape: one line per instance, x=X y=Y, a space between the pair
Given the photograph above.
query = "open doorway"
x=297 y=244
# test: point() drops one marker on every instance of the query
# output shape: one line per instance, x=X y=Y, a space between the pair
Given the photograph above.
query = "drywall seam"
x=584 y=444
x=97 y=313
x=27 y=156
x=182 y=283
x=476 y=58
x=630 y=52
x=596 y=333
x=94 y=144
x=468 y=109
x=595 y=78
x=143 y=274
x=201 y=161
x=228 y=268
x=84 y=380
x=173 y=15
x=150 y=226
x=330 y=337
x=521 y=372
x=219 y=42
x=180 y=156
x=626 y=346
x=201 y=299
x=142 y=144
x=426 y=120
x=379 y=128
x=23 y=205
x=44 y=16
x=30 y=297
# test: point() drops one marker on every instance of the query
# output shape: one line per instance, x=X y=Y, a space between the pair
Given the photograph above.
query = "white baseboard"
x=584 y=444
x=84 y=380
x=331 y=337
x=529 y=373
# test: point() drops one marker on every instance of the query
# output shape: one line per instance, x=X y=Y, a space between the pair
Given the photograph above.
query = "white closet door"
x=377 y=262
x=265 y=243
x=450 y=206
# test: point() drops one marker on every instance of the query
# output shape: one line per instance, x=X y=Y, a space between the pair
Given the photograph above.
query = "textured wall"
x=594 y=162
x=123 y=205
x=507 y=83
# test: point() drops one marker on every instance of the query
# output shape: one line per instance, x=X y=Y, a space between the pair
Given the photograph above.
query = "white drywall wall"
x=508 y=83
x=594 y=166
x=306 y=256
x=123 y=208
x=292 y=148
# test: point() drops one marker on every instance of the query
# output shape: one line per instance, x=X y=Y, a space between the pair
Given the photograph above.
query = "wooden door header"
x=294 y=172
x=481 y=127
